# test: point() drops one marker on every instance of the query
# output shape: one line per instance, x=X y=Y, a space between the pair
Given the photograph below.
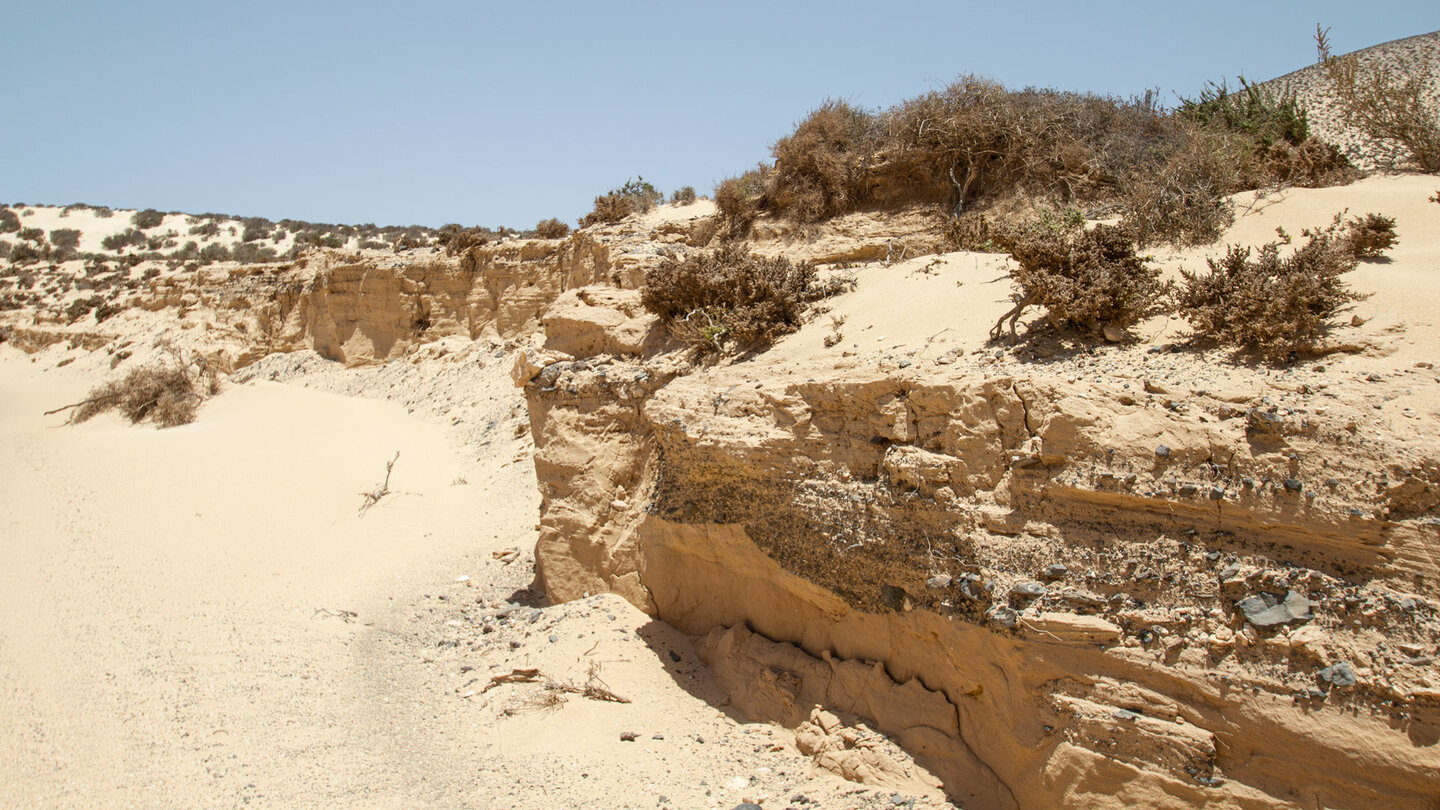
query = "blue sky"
x=504 y=114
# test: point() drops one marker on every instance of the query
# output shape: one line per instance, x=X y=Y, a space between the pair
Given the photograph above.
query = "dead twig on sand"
x=326 y=613
x=373 y=497
x=594 y=689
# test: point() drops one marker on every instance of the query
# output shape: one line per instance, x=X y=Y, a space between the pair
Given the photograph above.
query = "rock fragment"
x=1268 y=610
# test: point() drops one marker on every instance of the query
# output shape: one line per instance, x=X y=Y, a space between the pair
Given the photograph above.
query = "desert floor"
x=200 y=616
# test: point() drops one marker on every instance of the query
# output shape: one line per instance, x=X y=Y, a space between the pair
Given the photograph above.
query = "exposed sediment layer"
x=1029 y=583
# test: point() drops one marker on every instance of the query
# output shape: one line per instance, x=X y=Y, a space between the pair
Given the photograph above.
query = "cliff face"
x=1059 y=577
x=1006 y=576
x=350 y=307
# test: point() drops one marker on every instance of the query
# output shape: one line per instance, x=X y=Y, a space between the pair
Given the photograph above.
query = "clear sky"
x=503 y=114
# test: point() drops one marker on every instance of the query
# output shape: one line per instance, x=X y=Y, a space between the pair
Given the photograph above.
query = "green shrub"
x=728 y=299
x=1271 y=305
x=685 y=195
x=1085 y=279
x=635 y=197
x=551 y=229
x=1371 y=235
x=1251 y=110
x=147 y=219
x=1389 y=104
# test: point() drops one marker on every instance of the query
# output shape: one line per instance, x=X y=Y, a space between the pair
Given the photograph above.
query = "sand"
x=174 y=627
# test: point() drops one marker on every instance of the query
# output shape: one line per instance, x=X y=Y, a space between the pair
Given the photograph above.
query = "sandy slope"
x=160 y=644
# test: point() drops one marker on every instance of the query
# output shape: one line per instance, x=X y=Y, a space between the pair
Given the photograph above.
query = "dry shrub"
x=167 y=393
x=635 y=197
x=819 y=169
x=456 y=239
x=1371 y=235
x=1309 y=164
x=1086 y=279
x=552 y=229
x=1184 y=198
x=1388 y=104
x=1272 y=305
x=685 y=195
x=728 y=298
x=740 y=199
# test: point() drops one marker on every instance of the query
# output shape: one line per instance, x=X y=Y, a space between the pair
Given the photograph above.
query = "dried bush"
x=255 y=229
x=25 y=253
x=728 y=298
x=1087 y=279
x=1371 y=235
x=1272 y=305
x=551 y=229
x=9 y=221
x=456 y=239
x=65 y=238
x=249 y=253
x=1388 y=104
x=165 y=392
x=214 y=253
x=36 y=235
x=635 y=197
x=819 y=170
x=4 y=249
x=119 y=241
x=685 y=195
x=740 y=199
x=147 y=219
x=206 y=229
x=1185 y=198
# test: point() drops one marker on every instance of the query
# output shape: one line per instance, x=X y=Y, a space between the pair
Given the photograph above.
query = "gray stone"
x=1163 y=451
x=1228 y=572
x=1339 y=674
x=1217 y=494
x=939 y=582
x=1268 y=610
x=1125 y=714
x=1028 y=590
x=1055 y=571
x=1293 y=484
x=1004 y=616
x=972 y=589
